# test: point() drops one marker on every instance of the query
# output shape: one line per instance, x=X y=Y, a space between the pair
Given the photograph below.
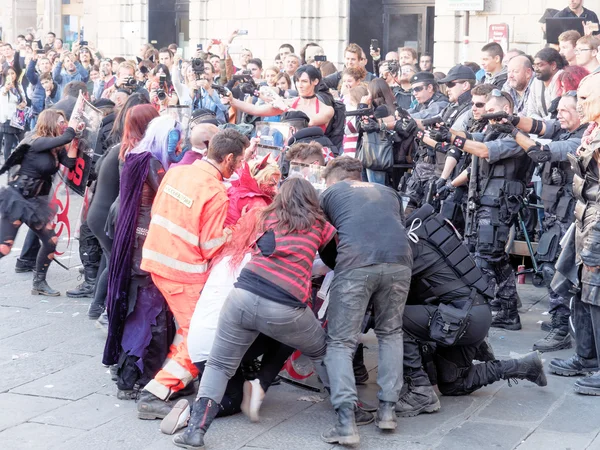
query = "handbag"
x=376 y=151
x=18 y=119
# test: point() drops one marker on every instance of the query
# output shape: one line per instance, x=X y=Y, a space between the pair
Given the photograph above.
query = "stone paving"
x=55 y=393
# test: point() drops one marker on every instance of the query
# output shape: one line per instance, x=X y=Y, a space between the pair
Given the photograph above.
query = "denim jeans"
x=386 y=285
x=243 y=317
x=376 y=176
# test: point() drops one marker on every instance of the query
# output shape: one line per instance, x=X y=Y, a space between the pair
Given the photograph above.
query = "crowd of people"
x=302 y=206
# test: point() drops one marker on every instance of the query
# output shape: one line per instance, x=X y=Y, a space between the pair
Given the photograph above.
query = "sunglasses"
x=418 y=89
x=479 y=105
x=451 y=84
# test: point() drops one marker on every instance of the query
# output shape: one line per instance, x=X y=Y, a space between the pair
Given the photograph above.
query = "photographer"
x=162 y=92
x=69 y=69
x=201 y=90
x=398 y=77
x=107 y=79
x=125 y=81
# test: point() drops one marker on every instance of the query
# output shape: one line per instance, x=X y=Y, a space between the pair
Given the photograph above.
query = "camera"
x=246 y=82
x=130 y=82
x=393 y=67
x=320 y=58
x=83 y=43
x=198 y=66
x=161 y=94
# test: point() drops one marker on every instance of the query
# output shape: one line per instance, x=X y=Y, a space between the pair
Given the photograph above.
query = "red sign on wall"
x=498 y=32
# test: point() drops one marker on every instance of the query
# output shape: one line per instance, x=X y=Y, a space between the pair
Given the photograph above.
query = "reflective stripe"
x=173 y=263
x=177 y=340
x=213 y=243
x=179 y=372
x=175 y=229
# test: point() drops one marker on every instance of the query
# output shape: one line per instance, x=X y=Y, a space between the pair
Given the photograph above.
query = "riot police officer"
x=499 y=173
x=448 y=308
x=557 y=197
x=586 y=304
x=430 y=104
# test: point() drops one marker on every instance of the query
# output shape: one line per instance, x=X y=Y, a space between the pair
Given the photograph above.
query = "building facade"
x=120 y=27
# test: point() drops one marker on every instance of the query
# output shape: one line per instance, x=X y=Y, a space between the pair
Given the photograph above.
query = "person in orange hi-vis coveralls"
x=186 y=231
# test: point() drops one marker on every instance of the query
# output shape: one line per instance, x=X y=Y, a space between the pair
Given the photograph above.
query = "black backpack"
x=335 y=128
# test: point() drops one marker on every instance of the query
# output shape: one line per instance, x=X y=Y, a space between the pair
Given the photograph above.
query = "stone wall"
x=17 y=15
x=521 y=16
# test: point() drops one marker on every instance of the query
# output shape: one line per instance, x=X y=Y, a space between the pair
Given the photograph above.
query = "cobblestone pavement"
x=55 y=393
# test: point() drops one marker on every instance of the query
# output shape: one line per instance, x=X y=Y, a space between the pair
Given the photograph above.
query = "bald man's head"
x=520 y=72
x=202 y=134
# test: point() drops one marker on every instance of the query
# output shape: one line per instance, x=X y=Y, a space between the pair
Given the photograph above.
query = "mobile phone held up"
x=321 y=58
x=199 y=47
x=374 y=44
x=242 y=32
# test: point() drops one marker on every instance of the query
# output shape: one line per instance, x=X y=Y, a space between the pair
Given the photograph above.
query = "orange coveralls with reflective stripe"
x=185 y=232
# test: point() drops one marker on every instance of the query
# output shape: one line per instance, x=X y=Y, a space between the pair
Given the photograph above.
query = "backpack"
x=335 y=128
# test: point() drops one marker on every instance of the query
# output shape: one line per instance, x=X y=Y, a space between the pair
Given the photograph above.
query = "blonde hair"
x=265 y=174
x=356 y=93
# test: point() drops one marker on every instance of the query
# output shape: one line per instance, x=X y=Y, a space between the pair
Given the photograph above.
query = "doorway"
x=409 y=24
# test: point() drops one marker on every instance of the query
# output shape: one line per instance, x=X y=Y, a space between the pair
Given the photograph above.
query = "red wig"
x=570 y=78
x=136 y=122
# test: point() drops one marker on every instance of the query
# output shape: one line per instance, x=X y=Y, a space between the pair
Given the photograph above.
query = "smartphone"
x=374 y=44
x=199 y=47
x=242 y=32
x=83 y=43
x=40 y=51
x=320 y=58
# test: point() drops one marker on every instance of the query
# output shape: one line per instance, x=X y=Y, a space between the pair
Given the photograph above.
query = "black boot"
x=575 y=365
x=362 y=417
x=361 y=374
x=85 y=289
x=345 y=431
x=558 y=337
x=420 y=397
x=588 y=385
x=40 y=287
x=204 y=412
x=508 y=317
x=386 y=416
x=24 y=265
x=529 y=367
x=151 y=407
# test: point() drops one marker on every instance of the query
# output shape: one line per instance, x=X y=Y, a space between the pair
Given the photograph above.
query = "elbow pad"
x=455 y=153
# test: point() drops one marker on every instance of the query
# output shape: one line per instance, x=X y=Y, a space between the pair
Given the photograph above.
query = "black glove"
x=539 y=153
x=445 y=191
x=405 y=127
x=507 y=128
x=440 y=183
x=514 y=119
x=442 y=134
x=369 y=126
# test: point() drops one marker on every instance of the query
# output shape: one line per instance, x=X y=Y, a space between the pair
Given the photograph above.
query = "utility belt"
x=558 y=200
x=425 y=153
x=30 y=187
x=449 y=323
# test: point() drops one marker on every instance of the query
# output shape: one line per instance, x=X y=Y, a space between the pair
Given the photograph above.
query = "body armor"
x=450 y=114
x=442 y=236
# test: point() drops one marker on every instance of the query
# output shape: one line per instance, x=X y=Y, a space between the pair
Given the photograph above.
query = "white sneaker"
x=252 y=400
x=177 y=418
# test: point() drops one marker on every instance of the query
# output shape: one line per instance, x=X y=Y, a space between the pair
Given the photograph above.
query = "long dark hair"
x=381 y=94
x=119 y=125
x=296 y=207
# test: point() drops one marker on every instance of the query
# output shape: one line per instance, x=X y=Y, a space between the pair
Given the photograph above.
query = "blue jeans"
x=243 y=317
x=386 y=285
x=376 y=176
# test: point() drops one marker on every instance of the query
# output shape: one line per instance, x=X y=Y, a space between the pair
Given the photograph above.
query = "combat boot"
x=558 y=337
x=361 y=374
x=85 y=289
x=24 y=265
x=204 y=412
x=575 y=365
x=40 y=287
x=529 y=367
x=508 y=317
x=345 y=431
x=151 y=407
x=420 y=397
x=588 y=385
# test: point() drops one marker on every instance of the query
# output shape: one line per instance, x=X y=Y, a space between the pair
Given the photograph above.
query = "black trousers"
x=586 y=319
x=31 y=247
x=274 y=355
x=456 y=374
x=45 y=255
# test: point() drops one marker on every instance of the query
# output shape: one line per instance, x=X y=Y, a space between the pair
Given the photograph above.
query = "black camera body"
x=393 y=67
x=246 y=85
x=198 y=66
x=130 y=82
x=161 y=94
